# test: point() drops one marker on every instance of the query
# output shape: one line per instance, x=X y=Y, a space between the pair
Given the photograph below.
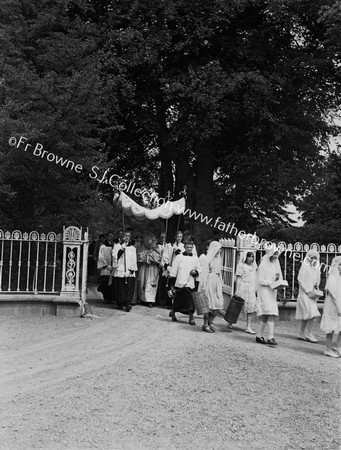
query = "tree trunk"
x=204 y=191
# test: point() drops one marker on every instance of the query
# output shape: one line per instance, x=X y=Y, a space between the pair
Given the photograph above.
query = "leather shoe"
x=173 y=317
x=331 y=353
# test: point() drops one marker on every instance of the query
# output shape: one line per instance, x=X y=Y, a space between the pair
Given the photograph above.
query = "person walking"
x=125 y=267
x=306 y=308
x=269 y=271
x=104 y=265
x=331 y=316
x=170 y=252
x=184 y=270
x=162 y=297
x=210 y=282
x=246 y=285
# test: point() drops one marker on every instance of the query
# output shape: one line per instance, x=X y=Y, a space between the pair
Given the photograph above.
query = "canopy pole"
x=184 y=194
x=166 y=231
x=168 y=198
x=125 y=261
x=177 y=228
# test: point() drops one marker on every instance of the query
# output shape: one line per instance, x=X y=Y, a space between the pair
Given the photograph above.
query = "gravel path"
x=139 y=381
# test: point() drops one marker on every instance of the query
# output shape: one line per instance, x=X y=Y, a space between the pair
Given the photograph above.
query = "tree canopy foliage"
x=230 y=98
x=322 y=207
x=51 y=95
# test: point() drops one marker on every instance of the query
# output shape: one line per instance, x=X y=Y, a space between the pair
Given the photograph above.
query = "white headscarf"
x=243 y=257
x=240 y=269
x=270 y=248
x=267 y=266
x=309 y=275
x=212 y=251
x=266 y=258
x=333 y=284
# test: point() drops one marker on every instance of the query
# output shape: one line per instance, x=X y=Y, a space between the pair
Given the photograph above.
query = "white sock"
x=261 y=329
x=271 y=329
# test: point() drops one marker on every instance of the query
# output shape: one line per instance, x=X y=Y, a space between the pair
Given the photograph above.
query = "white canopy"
x=165 y=211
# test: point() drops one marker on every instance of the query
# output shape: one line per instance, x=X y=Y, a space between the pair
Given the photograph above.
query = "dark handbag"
x=234 y=309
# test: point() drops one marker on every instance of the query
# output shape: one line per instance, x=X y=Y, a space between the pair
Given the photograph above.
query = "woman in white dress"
x=331 y=317
x=269 y=271
x=246 y=285
x=211 y=282
x=306 y=309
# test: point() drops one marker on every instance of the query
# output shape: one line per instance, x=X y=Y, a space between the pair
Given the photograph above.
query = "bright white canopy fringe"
x=165 y=211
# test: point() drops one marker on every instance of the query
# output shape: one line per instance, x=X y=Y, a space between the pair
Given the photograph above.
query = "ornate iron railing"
x=291 y=258
x=228 y=256
x=40 y=263
x=29 y=262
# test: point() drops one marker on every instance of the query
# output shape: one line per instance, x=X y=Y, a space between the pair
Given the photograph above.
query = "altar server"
x=125 y=267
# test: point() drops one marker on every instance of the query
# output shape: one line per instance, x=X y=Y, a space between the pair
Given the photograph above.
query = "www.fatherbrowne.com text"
x=232 y=229
x=149 y=196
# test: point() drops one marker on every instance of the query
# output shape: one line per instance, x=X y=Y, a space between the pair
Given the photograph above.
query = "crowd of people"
x=151 y=271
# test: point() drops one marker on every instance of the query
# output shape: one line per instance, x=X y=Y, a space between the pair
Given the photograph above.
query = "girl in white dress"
x=331 y=317
x=211 y=282
x=269 y=271
x=306 y=309
x=246 y=286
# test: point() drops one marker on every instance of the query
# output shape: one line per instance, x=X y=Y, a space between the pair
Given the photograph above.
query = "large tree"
x=229 y=98
x=50 y=95
x=323 y=205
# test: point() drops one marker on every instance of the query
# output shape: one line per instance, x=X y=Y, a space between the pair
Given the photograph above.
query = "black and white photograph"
x=170 y=170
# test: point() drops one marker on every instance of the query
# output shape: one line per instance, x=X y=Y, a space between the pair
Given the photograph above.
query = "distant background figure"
x=202 y=257
x=187 y=237
x=331 y=317
x=104 y=264
x=306 y=308
x=246 y=284
x=92 y=265
x=211 y=282
x=138 y=239
x=162 y=296
x=119 y=237
x=149 y=257
x=100 y=240
x=178 y=246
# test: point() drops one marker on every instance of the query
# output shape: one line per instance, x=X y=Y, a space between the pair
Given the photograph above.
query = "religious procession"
x=122 y=123
x=150 y=271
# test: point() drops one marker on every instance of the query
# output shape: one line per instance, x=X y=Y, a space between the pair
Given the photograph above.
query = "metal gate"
x=229 y=255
